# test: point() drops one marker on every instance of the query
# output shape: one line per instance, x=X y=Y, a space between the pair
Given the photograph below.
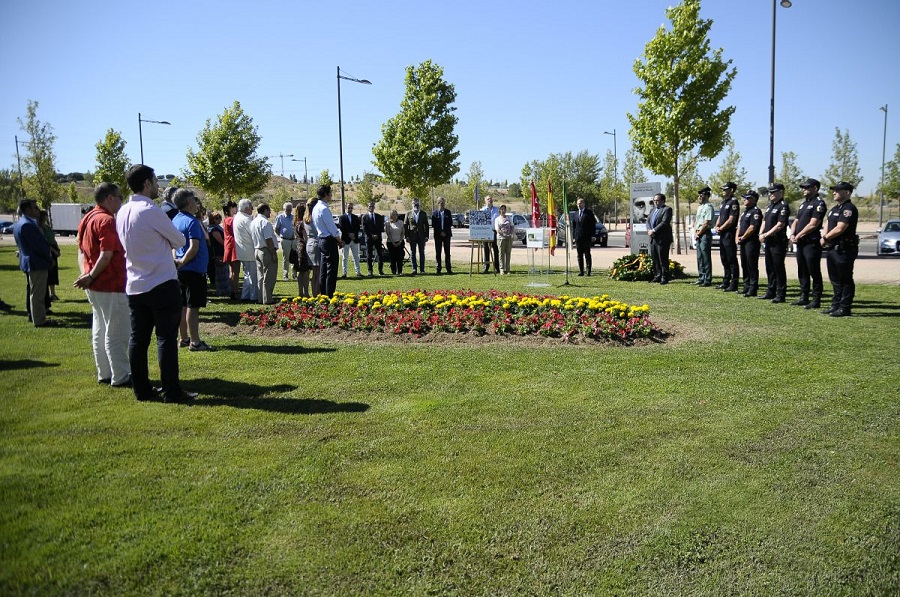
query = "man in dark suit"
x=349 y=225
x=416 y=228
x=373 y=228
x=584 y=229
x=659 y=227
x=34 y=259
x=442 y=224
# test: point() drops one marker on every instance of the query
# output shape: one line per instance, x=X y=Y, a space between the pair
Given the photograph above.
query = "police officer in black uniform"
x=748 y=241
x=774 y=234
x=726 y=226
x=840 y=237
x=805 y=234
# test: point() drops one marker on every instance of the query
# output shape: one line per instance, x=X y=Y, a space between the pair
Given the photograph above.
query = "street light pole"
x=785 y=4
x=305 y=177
x=883 y=108
x=615 y=175
x=22 y=181
x=141 y=131
x=340 y=132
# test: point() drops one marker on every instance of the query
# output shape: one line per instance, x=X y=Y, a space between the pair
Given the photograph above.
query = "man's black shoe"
x=813 y=305
x=579 y=274
x=730 y=289
x=751 y=295
x=722 y=286
x=104 y=382
x=800 y=302
x=663 y=281
x=829 y=310
x=778 y=299
x=767 y=297
x=840 y=313
x=183 y=398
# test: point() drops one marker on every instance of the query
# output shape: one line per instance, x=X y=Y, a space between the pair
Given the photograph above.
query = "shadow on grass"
x=230 y=318
x=289 y=349
x=24 y=364
x=237 y=394
x=875 y=309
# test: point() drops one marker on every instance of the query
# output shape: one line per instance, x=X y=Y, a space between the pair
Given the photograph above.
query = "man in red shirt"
x=103 y=264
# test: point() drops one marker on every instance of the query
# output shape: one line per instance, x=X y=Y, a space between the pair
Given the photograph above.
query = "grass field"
x=754 y=452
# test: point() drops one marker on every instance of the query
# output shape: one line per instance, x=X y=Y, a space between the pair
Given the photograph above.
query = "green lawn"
x=754 y=452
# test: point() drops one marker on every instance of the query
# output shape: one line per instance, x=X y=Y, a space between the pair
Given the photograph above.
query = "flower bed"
x=460 y=312
x=640 y=268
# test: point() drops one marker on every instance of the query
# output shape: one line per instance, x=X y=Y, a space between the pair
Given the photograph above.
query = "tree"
x=226 y=164
x=731 y=171
x=515 y=190
x=475 y=179
x=678 y=113
x=366 y=191
x=112 y=163
x=39 y=160
x=73 y=193
x=9 y=190
x=633 y=170
x=844 y=161
x=892 y=176
x=325 y=178
x=580 y=173
x=791 y=177
x=417 y=150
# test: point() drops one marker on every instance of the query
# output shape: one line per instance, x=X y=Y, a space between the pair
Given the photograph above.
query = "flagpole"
x=568 y=231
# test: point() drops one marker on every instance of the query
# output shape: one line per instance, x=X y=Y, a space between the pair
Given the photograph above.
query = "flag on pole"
x=535 y=208
x=551 y=218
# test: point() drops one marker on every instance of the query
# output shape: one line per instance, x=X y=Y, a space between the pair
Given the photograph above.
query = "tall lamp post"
x=615 y=174
x=340 y=133
x=22 y=180
x=785 y=4
x=141 y=131
x=884 y=109
x=305 y=177
x=282 y=156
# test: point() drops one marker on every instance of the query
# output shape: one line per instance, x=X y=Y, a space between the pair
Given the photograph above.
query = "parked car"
x=715 y=235
x=459 y=220
x=601 y=234
x=521 y=224
x=889 y=239
x=6 y=227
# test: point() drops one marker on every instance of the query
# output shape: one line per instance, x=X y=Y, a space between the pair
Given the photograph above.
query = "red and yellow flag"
x=535 y=208
x=551 y=217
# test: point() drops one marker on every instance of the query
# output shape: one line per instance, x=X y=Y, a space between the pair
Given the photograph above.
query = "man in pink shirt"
x=151 y=284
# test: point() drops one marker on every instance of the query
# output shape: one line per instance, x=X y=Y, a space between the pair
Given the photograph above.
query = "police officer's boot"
x=802 y=301
x=815 y=303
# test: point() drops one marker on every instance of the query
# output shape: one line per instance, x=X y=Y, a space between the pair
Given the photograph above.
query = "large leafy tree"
x=39 y=161
x=684 y=83
x=580 y=173
x=112 y=163
x=791 y=177
x=892 y=176
x=226 y=164
x=844 y=161
x=633 y=169
x=475 y=179
x=417 y=150
x=731 y=171
x=9 y=190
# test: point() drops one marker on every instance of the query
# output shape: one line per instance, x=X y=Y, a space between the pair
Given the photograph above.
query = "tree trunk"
x=677 y=211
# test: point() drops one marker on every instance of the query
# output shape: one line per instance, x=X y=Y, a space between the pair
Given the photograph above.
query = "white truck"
x=65 y=217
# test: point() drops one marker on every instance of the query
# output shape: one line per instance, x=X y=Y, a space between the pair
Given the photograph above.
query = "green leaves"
x=39 y=159
x=844 y=161
x=226 y=164
x=112 y=163
x=418 y=145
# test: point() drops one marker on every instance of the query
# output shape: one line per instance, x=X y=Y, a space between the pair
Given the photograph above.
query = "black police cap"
x=842 y=186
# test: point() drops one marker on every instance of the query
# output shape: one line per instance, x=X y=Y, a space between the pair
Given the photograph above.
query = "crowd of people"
x=148 y=267
x=815 y=231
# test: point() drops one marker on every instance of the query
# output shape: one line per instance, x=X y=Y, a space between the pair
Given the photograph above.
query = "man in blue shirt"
x=284 y=230
x=329 y=241
x=191 y=260
x=34 y=260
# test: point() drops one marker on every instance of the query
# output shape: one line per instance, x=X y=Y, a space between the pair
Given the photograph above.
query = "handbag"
x=292 y=257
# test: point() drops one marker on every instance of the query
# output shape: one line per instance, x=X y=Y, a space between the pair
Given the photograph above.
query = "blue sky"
x=531 y=77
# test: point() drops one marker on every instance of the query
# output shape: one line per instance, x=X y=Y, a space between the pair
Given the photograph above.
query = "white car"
x=889 y=239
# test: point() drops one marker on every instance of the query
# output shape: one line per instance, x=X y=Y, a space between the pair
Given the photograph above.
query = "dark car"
x=459 y=220
x=6 y=227
x=601 y=236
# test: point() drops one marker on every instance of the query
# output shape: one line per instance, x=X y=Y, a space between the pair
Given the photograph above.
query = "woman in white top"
x=393 y=229
x=503 y=226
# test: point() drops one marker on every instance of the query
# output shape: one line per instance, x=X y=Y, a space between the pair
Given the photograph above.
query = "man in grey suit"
x=659 y=227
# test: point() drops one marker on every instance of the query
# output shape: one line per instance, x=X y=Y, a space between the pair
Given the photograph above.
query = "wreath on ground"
x=460 y=312
x=639 y=268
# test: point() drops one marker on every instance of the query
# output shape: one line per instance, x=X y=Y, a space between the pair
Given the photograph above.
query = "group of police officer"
x=813 y=232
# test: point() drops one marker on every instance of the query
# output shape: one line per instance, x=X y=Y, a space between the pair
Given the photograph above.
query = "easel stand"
x=483 y=245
